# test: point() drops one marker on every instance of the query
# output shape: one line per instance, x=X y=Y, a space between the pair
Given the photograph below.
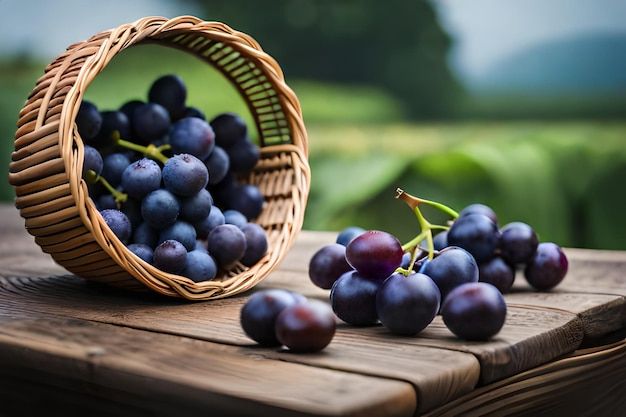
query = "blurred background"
x=520 y=105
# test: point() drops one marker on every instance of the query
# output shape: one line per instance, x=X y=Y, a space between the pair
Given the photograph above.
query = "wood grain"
x=54 y=326
x=586 y=383
x=155 y=371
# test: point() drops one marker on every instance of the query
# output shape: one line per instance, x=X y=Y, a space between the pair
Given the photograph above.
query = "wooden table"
x=72 y=347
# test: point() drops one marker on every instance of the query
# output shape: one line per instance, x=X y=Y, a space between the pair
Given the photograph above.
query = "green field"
x=564 y=177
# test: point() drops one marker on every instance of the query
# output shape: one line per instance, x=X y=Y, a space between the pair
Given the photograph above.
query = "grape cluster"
x=277 y=317
x=501 y=251
x=166 y=181
x=459 y=270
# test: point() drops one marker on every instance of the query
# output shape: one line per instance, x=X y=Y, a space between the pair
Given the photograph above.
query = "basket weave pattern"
x=46 y=164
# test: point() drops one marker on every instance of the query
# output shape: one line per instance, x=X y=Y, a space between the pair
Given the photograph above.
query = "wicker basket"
x=46 y=164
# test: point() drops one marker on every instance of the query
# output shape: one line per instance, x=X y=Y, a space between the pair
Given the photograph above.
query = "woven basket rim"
x=84 y=61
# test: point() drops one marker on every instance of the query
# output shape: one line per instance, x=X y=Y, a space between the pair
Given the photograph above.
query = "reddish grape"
x=375 y=254
x=258 y=315
x=306 y=327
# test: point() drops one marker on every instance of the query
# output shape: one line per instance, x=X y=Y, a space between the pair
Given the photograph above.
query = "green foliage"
x=396 y=45
x=563 y=178
x=17 y=79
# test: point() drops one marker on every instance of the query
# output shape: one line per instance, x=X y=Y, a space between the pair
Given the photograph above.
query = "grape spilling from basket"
x=459 y=270
x=165 y=180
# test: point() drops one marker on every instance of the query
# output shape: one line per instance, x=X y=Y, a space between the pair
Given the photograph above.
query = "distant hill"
x=594 y=63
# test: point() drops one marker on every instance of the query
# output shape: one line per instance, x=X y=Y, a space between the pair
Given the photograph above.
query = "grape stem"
x=151 y=151
x=91 y=177
x=426 y=227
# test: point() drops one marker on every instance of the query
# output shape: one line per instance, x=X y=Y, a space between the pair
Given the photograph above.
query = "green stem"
x=93 y=178
x=425 y=226
x=151 y=151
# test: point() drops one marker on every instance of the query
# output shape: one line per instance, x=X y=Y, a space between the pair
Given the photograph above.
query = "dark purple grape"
x=106 y=201
x=192 y=136
x=200 y=266
x=143 y=251
x=497 y=272
x=92 y=160
x=112 y=121
x=258 y=315
x=243 y=156
x=235 y=217
x=376 y=254
x=170 y=92
x=256 y=244
x=128 y=108
x=132 y=209
x=480 y=209
x=119 y=224
x=477 y=234
x=547 y=268
x=218 y=164
x=246 y=199
x=160 y=208
x=518 y=242
x=150 y=122
x=306 y=327
x=192 y=111
x=170 y=256
x=210 y=222
x=196 y=207
x=146 y=235
x=406 y=260
x=229 y=128
x=346 y=235
x=221 y=190
x=452 y=267
x=201 y=245
x=113 y=167
x=440 y=240
x=327 y=265
x=407 y=304
x=141 y=178
x=474 y=311
x=353 y=298
x=181 y=231
x=88 y=120
x=184 y=175
x=227 y=244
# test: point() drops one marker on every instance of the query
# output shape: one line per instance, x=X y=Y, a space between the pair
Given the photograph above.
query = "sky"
x=488 y=31
x=46 y=27
x=484 y=31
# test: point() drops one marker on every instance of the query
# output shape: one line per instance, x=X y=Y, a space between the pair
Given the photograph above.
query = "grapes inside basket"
x=163 y=176
x=62 y=203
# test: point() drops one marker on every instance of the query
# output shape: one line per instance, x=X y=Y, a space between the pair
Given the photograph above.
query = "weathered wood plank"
x=601 y=314
x=157 y=372
x=540 y=327
x=586 y=383
x=428 y=369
